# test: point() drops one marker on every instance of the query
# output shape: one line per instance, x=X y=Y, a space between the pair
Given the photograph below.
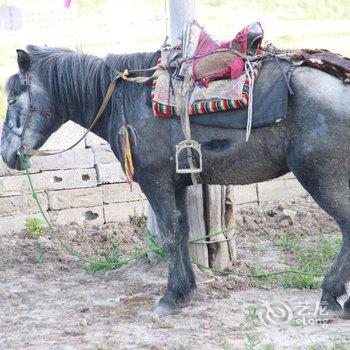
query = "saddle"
x=202 y=76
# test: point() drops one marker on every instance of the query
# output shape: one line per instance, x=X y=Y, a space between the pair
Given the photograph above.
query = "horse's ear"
x=23 y=61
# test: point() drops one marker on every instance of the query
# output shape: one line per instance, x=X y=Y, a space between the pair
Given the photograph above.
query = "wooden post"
x=181 y=12
x=210 y=208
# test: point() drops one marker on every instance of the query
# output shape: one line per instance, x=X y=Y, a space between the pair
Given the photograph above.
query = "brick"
x=15 y=223
x=118 y=193
x=72 y=159
x=245 y=194
x=93 y=140
x=109 y=173
x=120 y=212
x=103 y=154
x=21 y=204
x=48 y=180
x=68 y=179
x=65 y=137
x=86 y=197
x=279 y=189
x=82 y=216
x=17 y=185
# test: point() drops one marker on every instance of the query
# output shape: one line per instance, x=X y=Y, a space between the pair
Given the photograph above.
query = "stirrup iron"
x=189 y=146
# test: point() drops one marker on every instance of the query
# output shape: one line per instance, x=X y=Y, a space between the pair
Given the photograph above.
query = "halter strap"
x=32 y=108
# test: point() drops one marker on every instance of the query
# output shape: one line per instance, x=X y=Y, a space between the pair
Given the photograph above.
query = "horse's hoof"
x=165 y=310
x=345 y=314
x=329 y=315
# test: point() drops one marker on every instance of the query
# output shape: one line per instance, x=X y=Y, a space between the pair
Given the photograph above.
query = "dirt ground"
x=53 y=302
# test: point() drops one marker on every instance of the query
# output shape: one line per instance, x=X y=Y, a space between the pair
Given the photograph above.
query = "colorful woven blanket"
x=219 y=95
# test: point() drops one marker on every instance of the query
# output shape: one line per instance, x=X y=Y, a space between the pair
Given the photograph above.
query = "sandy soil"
x=58 y=304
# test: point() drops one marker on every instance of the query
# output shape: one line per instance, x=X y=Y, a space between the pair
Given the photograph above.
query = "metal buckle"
x=188 y=145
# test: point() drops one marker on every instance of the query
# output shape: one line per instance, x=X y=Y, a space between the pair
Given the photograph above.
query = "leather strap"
x=120 y=75
x=110 y=90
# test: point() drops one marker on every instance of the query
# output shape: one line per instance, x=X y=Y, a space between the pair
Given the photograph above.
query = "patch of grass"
x=286 y=242
x=253 y=248
x=226 y=344
x=139 y=220
x=154 y=246
x=268 y=346
x=112 y=256
x=339 y=343
x=298 y=280
x=251 y=341
x=252 y=316
x=39 y=253
x=264 y=280
x=312 y=257
x=35 y=227
x=316 y=346
x=318 y=258
x=296 y=323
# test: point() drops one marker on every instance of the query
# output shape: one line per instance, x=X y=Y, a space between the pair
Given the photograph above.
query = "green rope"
x=261 y=275
x=152 y=245
x=94 y=264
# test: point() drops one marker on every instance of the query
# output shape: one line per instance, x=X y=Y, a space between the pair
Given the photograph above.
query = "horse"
x=55 y=85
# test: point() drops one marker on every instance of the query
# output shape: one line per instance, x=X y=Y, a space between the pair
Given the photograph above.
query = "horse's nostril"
x=10 y=125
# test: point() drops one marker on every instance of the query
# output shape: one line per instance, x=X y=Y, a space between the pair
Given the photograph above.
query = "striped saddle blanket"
x=214 y=76
x=217 y=96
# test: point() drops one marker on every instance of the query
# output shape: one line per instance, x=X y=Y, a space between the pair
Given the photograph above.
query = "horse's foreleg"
x=167 y=204
x=184 y=227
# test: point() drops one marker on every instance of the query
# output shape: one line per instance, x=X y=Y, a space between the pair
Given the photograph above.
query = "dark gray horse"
x=313 y=142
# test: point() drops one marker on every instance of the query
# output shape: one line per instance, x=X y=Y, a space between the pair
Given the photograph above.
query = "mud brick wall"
x=86 y=185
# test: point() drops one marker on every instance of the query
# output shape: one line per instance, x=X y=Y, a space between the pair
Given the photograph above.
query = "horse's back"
x=320 y=92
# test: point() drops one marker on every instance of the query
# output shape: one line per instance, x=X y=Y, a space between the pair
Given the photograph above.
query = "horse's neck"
x=87 y=116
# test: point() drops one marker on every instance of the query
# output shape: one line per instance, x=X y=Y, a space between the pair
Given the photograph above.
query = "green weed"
x=251 y=341
x=112 y=257
x=35 y=227
x=268 y=346
x=314 y=258
x=138 y=220
x=251 y=315
x=39 y=253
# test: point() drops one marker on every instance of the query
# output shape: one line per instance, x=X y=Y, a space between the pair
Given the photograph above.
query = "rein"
x=46 y=114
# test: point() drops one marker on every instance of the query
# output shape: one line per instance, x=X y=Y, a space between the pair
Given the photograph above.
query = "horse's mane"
x=72 y=78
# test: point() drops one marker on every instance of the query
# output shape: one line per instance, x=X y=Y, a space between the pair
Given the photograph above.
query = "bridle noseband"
x=32 y=108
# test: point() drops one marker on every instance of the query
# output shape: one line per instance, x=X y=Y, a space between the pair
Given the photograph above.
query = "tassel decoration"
x=128 y=162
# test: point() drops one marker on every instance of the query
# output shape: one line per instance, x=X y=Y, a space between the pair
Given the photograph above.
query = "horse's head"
x=29 y=117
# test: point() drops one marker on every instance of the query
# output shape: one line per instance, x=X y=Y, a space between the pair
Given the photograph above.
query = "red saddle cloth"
x=248 y=40
x=222 y=80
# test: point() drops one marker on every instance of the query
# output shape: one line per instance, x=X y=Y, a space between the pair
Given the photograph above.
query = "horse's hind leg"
x=323 y=168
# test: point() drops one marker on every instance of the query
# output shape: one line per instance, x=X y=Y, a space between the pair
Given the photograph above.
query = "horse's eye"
x=11 y=102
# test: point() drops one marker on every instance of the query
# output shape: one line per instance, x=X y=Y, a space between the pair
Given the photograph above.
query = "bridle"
x=31 y=109
x=23 y=149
